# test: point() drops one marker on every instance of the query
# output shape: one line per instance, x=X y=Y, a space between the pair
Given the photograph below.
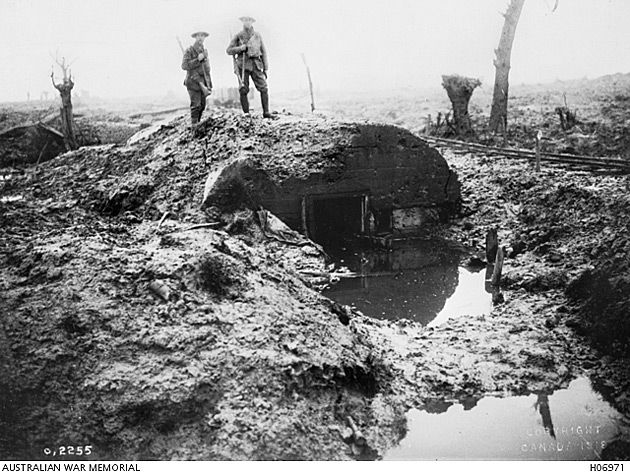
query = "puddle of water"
x=10 y=199
x=569 y=424
x=469 y=298
x=419 y=281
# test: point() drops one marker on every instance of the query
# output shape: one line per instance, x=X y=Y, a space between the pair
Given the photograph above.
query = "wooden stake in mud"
x=498 y=267
x=492 y=244
x=161 y=221
x=538 y=138
x=359 y=438
x=310 y=82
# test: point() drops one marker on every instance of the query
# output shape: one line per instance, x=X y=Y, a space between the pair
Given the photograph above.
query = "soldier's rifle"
x=241 y=77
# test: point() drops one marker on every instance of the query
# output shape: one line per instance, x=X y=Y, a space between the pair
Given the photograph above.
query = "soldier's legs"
x=260 y=81
x=196 y=98
x=244 y=90
x=202 y=106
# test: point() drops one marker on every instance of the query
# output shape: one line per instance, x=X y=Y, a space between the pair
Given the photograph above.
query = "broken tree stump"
x=568 y=118
x=460 y=90
x=492 y=245
x=65 y=111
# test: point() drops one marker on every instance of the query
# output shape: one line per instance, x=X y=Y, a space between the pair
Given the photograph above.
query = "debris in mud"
x=160 y=289
x=32 y=143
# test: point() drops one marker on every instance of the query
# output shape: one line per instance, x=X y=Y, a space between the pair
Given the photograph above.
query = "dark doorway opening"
x=337 y=218
x=382 y=221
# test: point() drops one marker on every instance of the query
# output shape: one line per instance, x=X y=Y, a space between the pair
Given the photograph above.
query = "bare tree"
x=502 y=63
x=65 y=91
x=498 y=113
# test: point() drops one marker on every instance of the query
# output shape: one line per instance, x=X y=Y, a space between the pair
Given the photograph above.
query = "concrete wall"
x=399 y=173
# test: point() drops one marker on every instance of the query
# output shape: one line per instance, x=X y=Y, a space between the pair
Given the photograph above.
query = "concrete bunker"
x=344 y=180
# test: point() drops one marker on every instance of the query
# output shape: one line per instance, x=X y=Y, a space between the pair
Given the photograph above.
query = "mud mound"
x=173 y=373
x=166 y=342
x=569 y=233
x=164 y=168
x=595 y=217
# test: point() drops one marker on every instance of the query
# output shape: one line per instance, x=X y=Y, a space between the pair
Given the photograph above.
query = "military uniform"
x=254 y=61
x=197 y=74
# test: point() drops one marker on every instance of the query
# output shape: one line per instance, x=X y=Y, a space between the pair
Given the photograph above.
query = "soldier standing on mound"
x=198 y=81
x=250 y=59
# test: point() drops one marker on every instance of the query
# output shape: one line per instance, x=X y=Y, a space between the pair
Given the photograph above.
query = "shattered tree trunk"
x=65 y=91
x=67 y=119
x=498 y=113
x=460 y=90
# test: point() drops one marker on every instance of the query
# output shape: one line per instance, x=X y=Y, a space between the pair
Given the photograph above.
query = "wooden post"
x=492 y=244
x=358 y=436
x=310 y=82
x=498 y=267
x=538 y=138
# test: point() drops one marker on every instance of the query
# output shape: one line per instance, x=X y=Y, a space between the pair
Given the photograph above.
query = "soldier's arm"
x=263 y=50
x=234 y=47
x=190 y=60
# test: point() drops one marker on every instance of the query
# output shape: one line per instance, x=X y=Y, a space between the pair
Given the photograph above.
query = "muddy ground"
x=157 y=341
x=601 y=106
x=97 y=122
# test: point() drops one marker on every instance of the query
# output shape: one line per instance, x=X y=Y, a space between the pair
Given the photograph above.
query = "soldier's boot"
x=244 y=102
x=264 y=99
x=194 y=121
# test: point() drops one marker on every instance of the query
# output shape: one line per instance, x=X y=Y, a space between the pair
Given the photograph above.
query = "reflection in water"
x=515 y=428
x=543 y=407
x=419 y=281
x=469 y=298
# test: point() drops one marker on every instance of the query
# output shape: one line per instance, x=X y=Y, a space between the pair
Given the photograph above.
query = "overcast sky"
x=124 y=48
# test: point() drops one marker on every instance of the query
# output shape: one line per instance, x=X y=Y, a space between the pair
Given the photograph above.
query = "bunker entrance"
x=335 y=218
